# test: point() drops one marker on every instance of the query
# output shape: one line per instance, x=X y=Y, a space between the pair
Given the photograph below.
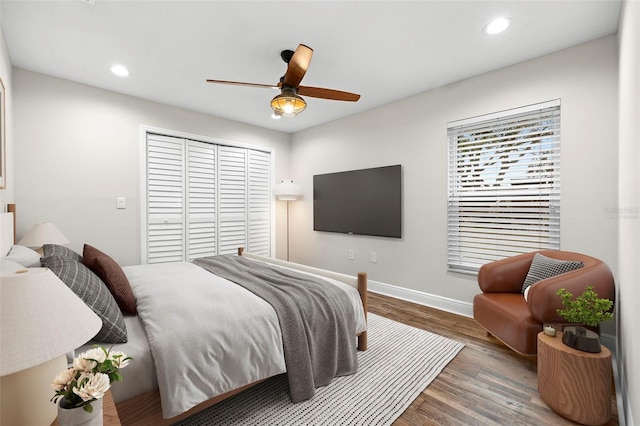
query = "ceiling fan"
x=289 y=103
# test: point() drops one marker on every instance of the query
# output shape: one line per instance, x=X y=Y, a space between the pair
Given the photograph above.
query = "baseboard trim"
x=431 y=300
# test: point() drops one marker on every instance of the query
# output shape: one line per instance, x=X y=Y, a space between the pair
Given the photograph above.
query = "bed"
x=238 y=343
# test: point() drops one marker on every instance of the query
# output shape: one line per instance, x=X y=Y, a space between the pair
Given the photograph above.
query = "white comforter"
x=207 y=335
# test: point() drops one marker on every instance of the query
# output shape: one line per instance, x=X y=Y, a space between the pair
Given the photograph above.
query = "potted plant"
x=585 y=310
x=86 y=382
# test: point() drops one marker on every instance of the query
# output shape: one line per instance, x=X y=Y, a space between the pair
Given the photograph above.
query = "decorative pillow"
x=56 y=250
x=543 y=267
x=87 y=286
x=24 y=256
x=113 y=276
x=9 y=267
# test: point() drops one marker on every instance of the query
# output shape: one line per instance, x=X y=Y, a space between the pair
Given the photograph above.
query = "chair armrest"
x=506 y=275
x=543 y=301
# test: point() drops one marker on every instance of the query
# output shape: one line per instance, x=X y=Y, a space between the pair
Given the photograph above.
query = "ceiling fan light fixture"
x=287 y=103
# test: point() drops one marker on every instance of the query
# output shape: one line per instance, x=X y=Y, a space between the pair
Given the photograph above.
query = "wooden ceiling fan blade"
x=239 y=83
x=336 y=95
x=298 y=65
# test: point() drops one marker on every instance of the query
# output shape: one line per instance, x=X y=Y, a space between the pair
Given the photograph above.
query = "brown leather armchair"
x=502 y=310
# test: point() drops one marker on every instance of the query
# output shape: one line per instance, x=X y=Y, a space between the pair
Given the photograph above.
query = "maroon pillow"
x=113 y=276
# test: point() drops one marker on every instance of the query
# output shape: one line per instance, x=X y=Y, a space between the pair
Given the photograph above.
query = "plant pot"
x=581 y=339
x=79 y=417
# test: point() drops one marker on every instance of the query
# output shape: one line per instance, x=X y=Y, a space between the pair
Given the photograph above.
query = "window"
x=504 y=185
x=204 y=199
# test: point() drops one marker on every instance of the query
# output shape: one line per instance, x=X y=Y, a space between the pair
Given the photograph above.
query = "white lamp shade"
x=287 y=190
x=43 y=233
x=41 y=319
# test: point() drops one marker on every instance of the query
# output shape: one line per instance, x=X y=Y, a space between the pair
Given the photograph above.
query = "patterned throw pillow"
x=88 y=287
x=113 y=276
x=543 y=267
x=49 y=250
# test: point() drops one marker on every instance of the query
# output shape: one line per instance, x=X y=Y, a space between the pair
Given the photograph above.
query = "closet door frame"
x=143 y=134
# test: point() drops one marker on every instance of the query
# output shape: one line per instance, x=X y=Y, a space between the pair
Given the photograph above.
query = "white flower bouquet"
x=89 y=378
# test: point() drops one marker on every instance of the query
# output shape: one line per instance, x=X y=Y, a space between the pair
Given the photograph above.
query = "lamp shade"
x=43 y=233
x=287 y=191
x=41 y=319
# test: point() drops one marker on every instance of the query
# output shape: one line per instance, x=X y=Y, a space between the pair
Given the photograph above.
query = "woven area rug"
x=400 y=363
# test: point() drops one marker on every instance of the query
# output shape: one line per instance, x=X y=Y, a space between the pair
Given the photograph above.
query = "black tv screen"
x=359 y=202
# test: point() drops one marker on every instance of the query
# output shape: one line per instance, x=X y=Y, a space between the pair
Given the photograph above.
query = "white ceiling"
x=384 y=50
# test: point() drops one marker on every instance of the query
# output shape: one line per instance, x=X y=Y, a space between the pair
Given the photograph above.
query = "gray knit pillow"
x=88 y=287
x=543 y=267
x=49 y=250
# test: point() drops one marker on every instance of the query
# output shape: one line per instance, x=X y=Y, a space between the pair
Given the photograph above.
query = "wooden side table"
x=109 y=412
x=575 y=384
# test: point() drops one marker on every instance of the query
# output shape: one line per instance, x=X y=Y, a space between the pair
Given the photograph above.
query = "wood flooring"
x=485 y=384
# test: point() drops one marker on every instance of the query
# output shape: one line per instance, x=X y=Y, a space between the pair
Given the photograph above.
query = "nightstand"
x=109 y=411
x=575 y=384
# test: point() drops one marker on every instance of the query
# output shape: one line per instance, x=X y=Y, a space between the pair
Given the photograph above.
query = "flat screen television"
x=359 y=202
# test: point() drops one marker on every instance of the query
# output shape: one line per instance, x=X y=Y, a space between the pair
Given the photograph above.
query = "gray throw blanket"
x=316 y=318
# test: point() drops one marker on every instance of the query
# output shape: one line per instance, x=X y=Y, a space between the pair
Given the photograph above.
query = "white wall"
x=629 y=211
x=6 y=194
x=78 y=148
x=413 y=132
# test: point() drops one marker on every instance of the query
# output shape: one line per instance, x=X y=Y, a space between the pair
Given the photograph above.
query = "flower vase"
x=78 y=417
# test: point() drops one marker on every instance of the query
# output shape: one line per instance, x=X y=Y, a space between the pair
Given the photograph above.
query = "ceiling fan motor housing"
x=286 y=55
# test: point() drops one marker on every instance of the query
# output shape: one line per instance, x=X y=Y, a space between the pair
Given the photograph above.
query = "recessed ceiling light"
x=497 y=26
x=119 y=70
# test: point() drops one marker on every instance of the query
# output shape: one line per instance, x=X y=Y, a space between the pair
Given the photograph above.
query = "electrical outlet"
x=374 y=257
x=351 y=255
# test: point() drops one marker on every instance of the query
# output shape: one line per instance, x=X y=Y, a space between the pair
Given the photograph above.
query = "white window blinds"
x=205 y=199
x=504 y=185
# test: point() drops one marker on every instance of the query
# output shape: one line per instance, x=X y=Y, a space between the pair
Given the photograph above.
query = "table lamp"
x=42 y=233
x=41 y=320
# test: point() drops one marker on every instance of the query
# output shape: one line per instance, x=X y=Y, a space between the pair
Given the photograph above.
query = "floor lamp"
x=287 y=191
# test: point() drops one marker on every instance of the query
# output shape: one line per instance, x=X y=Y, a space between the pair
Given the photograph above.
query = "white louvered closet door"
x=259 y=203
x=165 y=199
x=205 y=199
x=232 y=199
x=201 y=199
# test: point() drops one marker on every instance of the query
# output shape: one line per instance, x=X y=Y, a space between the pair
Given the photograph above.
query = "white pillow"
x=8 y=267
x=24 y=256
